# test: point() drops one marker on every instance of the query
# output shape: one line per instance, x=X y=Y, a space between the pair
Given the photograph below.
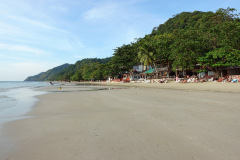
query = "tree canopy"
x=208 y=39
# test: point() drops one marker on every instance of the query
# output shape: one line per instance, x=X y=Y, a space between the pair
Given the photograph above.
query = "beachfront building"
x=229 y=73
x=125 y=77
x=223 y=73
x=137 y=72
x=139 y=68
x=164 y=71
x=233 y=73
x=206 y=74
x=141 y=72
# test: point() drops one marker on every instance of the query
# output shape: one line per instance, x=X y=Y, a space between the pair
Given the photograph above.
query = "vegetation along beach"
x=197 y=44
x=170 y=95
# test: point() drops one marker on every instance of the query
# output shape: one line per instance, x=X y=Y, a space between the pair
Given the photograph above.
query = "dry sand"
x=186 y=122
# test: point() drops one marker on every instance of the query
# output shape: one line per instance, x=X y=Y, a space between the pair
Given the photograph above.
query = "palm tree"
x=146 y=53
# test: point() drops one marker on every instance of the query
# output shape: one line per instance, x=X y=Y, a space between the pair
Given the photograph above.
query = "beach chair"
x=210 y=80
x=177 y=81
x=234 y=81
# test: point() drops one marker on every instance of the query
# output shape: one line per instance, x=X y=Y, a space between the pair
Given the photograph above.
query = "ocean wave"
x=5 y=85
x=7 y=102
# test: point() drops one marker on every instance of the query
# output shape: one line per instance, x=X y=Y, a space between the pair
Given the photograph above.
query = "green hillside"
x=65 y=71
x=209 y=40
x=71 y=72
x=48 y=75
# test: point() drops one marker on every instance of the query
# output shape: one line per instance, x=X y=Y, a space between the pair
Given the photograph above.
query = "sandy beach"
x=138 y=122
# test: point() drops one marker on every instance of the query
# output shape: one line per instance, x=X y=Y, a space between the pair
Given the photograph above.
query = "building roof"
x=149 y=71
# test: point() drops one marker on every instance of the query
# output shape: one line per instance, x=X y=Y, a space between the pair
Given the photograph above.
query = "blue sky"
x=37 y=35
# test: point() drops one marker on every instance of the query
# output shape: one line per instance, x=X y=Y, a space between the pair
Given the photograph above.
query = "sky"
x=37 y=35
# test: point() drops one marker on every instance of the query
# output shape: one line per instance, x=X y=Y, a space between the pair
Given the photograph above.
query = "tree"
x=163 y=47
x=125 y=57
x=89 y=71
x=187 y=47
x=77 y=76
x=98 y=73
x=220 y=58
x=147 y=51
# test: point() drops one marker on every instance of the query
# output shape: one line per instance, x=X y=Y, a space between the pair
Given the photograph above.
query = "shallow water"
x=7 y=102
x=4 y=85
x=17 y=98
x=18 y=102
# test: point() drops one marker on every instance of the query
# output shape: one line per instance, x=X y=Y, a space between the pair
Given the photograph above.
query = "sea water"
x=17 y=98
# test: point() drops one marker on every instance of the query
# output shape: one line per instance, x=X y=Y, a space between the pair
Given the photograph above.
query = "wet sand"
x=172 y=121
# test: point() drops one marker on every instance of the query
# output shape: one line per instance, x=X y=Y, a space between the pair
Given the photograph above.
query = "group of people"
x=206 y=79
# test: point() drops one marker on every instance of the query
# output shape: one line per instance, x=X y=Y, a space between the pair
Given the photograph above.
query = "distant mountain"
x=65 y=71
x=48 y=75
x=68 y=72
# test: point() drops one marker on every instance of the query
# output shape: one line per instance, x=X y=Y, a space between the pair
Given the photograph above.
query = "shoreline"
x=205 y=86
x=135 y=123
x=25 y=99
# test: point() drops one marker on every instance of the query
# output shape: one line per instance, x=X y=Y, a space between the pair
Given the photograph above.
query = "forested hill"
x=208 y=40
x=48 y=75
x=65 y=71
x=197 y=20
x=184 y=20
x=72 y=71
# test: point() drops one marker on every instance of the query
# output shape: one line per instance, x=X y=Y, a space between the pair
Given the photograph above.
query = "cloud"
x=9 y=27
x=21 y=7
x=21 y=70
x=101 y=11
x=59 y=8
x=36 y=23
x=115 y=15
x=22 y=48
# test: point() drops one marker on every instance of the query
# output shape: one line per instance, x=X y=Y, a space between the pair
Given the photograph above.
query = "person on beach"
x=51 y=83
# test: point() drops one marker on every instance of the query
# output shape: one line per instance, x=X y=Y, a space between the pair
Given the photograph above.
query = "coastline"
x=206 y=86
x=143 y=121
x=22 y=100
